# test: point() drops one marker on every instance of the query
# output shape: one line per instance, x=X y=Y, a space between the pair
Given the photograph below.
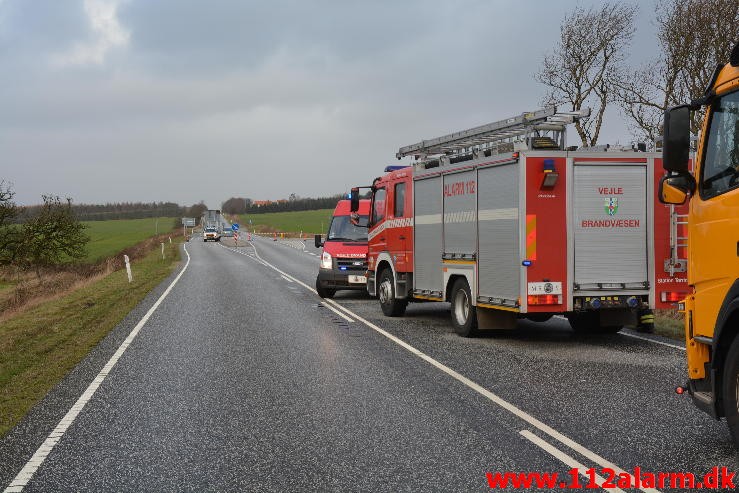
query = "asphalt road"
x=242 y=379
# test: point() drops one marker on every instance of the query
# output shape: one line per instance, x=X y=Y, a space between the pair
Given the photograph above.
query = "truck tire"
x=204 y=240
x=391 y=307
x=730 y=390
x=464 y=314
x=324 y=292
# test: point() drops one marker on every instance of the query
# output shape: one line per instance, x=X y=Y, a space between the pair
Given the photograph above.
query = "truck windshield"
x=342 y=229
x=720 y=171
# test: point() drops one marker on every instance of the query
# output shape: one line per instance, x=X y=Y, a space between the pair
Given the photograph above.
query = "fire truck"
x=504 y=221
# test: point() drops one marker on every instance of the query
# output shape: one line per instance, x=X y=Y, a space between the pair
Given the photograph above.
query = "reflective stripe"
x=402 y=222
x=498 y=214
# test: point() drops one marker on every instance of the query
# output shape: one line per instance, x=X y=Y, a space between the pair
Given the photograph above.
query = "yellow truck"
x=712 y=307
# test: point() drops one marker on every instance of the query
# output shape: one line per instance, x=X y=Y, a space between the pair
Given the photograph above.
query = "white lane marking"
x=675 y=346
x=652 y=340
x=298 y=281
x=25 y=475
x=287 y=279
x=567 y=459
x=476 y=387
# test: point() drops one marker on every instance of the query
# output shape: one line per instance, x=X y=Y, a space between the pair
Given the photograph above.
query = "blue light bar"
x=388 y=169
x=342 y=268
x=526 y=263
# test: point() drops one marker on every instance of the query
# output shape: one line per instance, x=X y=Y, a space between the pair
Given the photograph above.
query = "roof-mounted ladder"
x=529 y=123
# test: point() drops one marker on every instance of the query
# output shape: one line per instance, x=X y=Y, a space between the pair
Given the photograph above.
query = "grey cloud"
x=261 y=99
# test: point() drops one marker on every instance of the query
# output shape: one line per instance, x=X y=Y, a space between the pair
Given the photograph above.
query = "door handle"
x=401 y=237
x=382 y=238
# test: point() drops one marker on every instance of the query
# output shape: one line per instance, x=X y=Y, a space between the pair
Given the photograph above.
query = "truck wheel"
x=391 y=307
x=204 y=240
x=464 y=314
x=324 y=292
x=730 y=390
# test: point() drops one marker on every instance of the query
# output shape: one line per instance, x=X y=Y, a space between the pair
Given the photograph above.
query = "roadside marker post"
x=128 y=268
x=162 y=250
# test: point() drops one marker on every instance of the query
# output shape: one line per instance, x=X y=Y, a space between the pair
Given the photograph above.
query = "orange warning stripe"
x=531 y=236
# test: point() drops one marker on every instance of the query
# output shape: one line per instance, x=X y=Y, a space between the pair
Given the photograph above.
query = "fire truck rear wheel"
x=464 y=314
x=391 y=307
x=730 y=390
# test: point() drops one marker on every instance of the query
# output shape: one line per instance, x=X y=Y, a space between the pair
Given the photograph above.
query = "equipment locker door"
x=610 y=226
x=399 y=235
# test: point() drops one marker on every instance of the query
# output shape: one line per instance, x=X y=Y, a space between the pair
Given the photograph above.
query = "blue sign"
x=235 y=226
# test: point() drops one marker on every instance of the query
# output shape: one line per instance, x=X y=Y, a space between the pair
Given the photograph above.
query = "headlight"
x=326 y=261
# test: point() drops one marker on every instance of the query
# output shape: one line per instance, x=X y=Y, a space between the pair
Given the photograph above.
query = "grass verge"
x=110 y=237
x=669 y=323
x=309 y=222
x=41 y=345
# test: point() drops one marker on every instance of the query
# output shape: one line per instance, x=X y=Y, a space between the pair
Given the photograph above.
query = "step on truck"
x=344 y=256
x=505 y=222
x=712 y=305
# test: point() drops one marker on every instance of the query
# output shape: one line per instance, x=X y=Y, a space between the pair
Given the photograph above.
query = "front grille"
x=350 y=264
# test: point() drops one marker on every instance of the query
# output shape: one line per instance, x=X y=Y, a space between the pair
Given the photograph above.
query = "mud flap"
x=491 y=319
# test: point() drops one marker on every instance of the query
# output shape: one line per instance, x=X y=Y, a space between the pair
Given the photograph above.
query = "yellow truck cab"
x=712 y=308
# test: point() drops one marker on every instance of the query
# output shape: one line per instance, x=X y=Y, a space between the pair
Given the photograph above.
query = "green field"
x=110 y=237
x=289 y=222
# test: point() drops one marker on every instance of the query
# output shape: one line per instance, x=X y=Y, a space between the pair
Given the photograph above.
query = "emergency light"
x=550 y=174
x=388 y=169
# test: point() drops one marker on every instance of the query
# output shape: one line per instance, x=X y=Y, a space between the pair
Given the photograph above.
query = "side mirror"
x=676 y=140
x=318 y=241
x=674 y=189
x=355 y=199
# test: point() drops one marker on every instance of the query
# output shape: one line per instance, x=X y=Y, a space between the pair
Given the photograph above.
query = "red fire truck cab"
x=504 y=222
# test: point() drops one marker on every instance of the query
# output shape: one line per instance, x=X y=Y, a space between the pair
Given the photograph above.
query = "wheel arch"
x=451 y=274
x=450 y=285
x=383 y=262
x=727 y=326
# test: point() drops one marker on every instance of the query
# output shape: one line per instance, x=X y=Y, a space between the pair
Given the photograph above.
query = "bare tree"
x=694 y=37
x=9 y=232
x=586 y=63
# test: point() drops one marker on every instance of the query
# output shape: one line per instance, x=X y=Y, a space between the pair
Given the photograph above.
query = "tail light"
x=672 y=296
x=545 y=299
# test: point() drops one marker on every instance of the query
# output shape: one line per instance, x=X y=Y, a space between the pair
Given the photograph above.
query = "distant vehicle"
x=227 y=232
x=211 y=233
x=344 y=258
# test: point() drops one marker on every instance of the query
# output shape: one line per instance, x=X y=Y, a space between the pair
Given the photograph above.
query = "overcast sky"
x=180 y=100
